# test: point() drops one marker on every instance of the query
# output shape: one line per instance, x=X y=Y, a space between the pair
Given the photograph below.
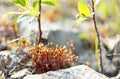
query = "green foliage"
x=35 y=6
x=83 y=36
x=22 y=3
x=31 y=10
x=24 y=15
x=84 y=12
x=50 y=2
x=79 y=20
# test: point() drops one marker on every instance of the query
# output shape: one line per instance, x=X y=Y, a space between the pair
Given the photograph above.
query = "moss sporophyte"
x=46 y=58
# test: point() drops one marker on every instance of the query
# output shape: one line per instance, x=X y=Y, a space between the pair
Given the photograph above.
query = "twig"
x=115 y=55
x=17 y=39
x=98 y=36
x=39 y=24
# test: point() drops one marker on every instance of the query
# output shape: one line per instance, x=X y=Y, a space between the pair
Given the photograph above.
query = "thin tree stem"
x=98 y=36
x=39 y=24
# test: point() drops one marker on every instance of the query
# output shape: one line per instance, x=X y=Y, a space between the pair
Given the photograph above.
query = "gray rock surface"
x=12 y=62
x=28 y=28
x=29 y=25
x=116 y=77
x=116 y=59
x=0 y=73
x=76 y=72
x=116 y=55
x=21 y=73
x=62 y=37
x=112 y=55
x=108 y=67
x=110 y=42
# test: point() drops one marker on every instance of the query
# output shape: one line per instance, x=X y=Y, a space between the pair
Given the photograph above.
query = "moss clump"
x=47 y=58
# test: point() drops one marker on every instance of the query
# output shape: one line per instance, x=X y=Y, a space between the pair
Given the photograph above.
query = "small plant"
x=46 y=58
x=34 y=10
x=84 y=13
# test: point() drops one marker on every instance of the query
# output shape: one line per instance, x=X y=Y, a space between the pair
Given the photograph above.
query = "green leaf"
x=80 y=19
x=25 y=14
x=22 y=3
x=83 y=36
x=35 y=6
x=27 y=4
x=35 y=14
x=50 y=2
x=84 y=10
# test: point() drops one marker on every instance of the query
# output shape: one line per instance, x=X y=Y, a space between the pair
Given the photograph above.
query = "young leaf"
x=84 y=10
x=24 y=15
x=27 y=4
x=80 y=19
x=35 y=6
x=50 y=2
x=22 y=3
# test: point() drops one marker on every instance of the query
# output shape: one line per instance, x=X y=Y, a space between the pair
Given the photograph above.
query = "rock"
x=3 y=47
x=116 y=59
x=112 y=55
x=116 y=55
x=62 y=37
x=109 y=68
x=110 y=42
x=76 y=72
x=28 y=28
x=21 y=73
x=19 y=60
x=12 y=61
x=116 y=77
x=0 y=73
x=3 y=60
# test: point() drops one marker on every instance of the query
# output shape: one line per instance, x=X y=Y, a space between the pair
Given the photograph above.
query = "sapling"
x=98 y=36
x=34 y=10
x=84 y=13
